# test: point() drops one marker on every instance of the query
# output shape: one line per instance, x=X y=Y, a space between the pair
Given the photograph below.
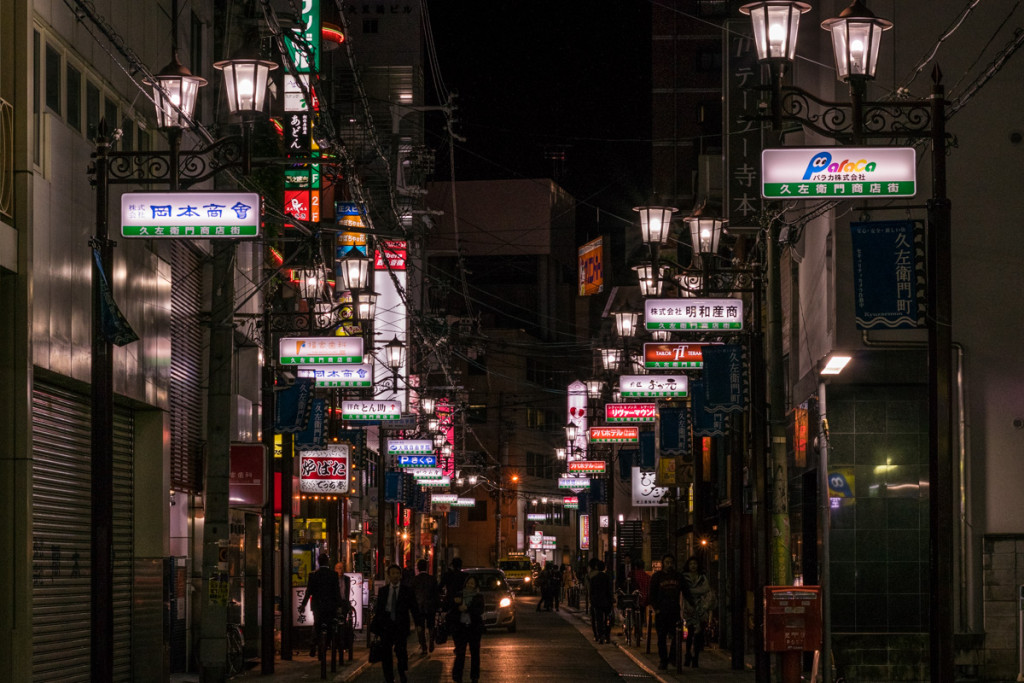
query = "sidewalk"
x=301 y=667
x=715 y=664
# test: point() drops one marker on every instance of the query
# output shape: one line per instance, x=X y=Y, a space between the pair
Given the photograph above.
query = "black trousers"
x=398 y=643
x=462 y=638
x=665 y=623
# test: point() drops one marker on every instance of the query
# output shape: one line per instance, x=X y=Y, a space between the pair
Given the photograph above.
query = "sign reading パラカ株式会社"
x=853 y=172
x=194 y=215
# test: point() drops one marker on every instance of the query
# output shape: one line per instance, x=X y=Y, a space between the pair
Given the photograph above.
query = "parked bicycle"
x=236 y=649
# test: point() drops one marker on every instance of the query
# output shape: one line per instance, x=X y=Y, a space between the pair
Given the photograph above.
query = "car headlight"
x=526 y=580
x=505 y=602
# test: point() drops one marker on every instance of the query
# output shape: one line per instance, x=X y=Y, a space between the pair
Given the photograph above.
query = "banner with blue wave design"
x=888 y=271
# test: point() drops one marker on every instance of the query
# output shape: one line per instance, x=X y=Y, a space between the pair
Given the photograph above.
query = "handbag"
x=376 y=650
x=441 y=632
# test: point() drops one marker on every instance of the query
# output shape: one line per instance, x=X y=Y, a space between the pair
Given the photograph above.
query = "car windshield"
x=490 y=582
x=514 y=565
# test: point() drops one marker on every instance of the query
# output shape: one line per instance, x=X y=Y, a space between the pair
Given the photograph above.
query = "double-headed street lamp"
x=174 y=94
x=856 y=35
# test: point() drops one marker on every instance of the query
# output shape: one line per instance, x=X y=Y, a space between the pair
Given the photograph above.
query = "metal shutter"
x=61 y=536
x=186 y=368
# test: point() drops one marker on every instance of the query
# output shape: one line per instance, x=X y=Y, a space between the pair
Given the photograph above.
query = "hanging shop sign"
x=541 y=542
x=536 y=517
x=203 y=215
x=327 y=376
x=371 y=410
x=425 y=472
x=588 y=466
x=320 y=350
x=614 y=434
x=888 y=265
x=584 y=532
x=464 y=502
x=325 y=471
x=443 y=498
x=571 y=502
x=661 y=386
x=440 y=482
x=416 y=461
x=246 y=485
x=630 y=412
x=591 y=267
x=662 y=355
x=693 y=314
x=576 y=484
x=851 y=172
x=392 y=255
x=412 y=447
x=645 y=492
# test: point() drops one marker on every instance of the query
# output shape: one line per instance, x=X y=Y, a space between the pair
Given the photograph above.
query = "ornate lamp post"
x=174 y=94
x=856 y=34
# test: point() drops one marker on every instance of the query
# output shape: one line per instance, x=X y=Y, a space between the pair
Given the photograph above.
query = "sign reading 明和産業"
x=195 y=215
x=854 y=172
x=693 y=314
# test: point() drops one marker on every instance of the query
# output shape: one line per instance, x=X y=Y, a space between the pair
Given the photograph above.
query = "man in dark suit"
x=392 y=616
x=325 y=592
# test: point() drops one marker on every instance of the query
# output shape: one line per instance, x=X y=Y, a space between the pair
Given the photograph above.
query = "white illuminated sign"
x=693 y=314
x=203 y=215
x=852 y=172
x=320 y=350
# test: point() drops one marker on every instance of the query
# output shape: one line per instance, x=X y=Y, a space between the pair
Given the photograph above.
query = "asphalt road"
x=547 y=646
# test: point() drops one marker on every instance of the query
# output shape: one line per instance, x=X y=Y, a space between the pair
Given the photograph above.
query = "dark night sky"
x=534 y=76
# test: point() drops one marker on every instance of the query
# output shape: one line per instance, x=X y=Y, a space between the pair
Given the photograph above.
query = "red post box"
x=792 y=618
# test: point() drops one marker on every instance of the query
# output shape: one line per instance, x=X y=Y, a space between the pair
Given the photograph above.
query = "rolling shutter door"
x=62 y=532
x=186 y=368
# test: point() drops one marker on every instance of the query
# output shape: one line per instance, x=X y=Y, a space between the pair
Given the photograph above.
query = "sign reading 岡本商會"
x=198 y=215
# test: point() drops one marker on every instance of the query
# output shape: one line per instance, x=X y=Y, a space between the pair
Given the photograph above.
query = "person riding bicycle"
x=325 y=592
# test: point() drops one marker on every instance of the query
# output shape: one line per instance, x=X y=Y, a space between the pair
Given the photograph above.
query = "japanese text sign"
x=203 y=215
x=630 y=412
x=693 y=314
x=320 y=350
x=440 y=482
x=588 y=466
x=792 y=618
x=371 y=410
x=443 y=498
x=673 y=355
x=653 y=385
x=325 y=471
x=411 y=447
x=614 y=434
x=416 y=461
x=887 y=266
x=573 y=483
x=355 y=375
x=645 y=491
x=854 y=172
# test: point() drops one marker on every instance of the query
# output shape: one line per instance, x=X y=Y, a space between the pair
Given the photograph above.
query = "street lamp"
x=655 y=222
x=571 y=432
x=365 y=304
x=625 y=322
x=595 y=388
x=775 y=28
x=611 y=359
x=354 y=270
x=245 y=80
x=649 y=276
x=705 y=234
x=427 y=405
x=559 y=453
x=394 y=354
x=174 y=95
x=855 y=39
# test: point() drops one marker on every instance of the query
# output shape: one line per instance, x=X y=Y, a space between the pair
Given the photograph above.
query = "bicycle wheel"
x=236 y=653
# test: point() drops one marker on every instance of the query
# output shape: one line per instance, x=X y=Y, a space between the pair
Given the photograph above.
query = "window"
x=478 y=513
x=110 y=115
x=370 y=26
x=92 y=110
x=709 y=59
x=127 y=134
x=74 y=98
x=476 y=414
x=36 y=93
x=53 y=68
x=537 y=465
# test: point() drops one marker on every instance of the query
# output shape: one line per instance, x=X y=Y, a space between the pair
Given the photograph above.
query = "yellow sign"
x=278 y=448
x=591 y=267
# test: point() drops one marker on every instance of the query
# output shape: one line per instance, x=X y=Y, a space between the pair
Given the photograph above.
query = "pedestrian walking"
x=698 y=601
x=465 y=620
x=591 y=571
x=602 y=598
x=556 y=587
x=391 y=619
x=428 y=600
x=666 y=586
x=324 y=591
x=451 y=582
